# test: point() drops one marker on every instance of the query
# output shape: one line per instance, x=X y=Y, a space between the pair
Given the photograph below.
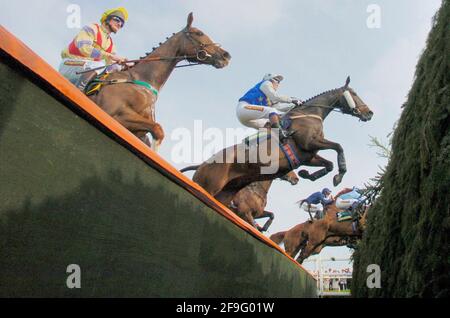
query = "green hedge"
x=408 y=233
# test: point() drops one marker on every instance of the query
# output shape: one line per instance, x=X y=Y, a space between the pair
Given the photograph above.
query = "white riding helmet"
x=269 y=77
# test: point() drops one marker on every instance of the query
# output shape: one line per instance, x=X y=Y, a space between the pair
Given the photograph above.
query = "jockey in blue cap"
x=311 y=203
x=262 y=105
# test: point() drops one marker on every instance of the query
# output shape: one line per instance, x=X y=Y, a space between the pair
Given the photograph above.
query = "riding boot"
x=355 y=226
x=85 y=79
x=311 y=219
x=275 y=123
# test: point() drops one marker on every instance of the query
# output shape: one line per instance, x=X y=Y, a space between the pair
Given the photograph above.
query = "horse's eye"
x=199 y=33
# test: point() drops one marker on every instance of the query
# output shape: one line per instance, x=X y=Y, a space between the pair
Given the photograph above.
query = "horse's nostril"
x=227 y=55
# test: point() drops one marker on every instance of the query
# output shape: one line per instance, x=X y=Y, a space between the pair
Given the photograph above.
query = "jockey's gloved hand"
x=118 y=59
x=297 y=102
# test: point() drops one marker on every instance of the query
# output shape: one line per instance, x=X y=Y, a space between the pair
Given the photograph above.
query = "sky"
x=315 y=45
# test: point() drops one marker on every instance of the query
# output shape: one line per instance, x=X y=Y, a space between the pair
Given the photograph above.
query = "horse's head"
x=291 y=177
x=199 y=48
x=351 y=103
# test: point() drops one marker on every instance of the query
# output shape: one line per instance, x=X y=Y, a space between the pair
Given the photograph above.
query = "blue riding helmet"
x=326 y=190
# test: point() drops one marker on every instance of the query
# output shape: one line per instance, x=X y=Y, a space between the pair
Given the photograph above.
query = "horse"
x=249 y=202
x=225 y=173
x=134 y=105
x=296 y=238
x=311 y=237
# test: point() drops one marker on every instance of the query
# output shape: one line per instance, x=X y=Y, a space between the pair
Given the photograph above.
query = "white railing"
x=321 y=275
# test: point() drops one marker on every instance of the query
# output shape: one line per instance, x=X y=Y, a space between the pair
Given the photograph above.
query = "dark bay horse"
x=310 y=238
x=249 y=203
x=134 y=105
x=224 y=174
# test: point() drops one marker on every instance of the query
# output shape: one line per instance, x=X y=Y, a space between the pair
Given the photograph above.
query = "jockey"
x=349 y=199
x=311 y=203
x=92 y=48
x=262 y=104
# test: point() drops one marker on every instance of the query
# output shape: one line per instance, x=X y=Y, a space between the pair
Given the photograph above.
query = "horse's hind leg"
x=326 y=144
x=316 y=161
x=266 y=214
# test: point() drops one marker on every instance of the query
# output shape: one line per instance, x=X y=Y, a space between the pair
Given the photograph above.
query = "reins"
x=201 y=55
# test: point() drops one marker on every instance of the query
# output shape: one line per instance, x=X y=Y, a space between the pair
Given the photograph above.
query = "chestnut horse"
x=225 y=173
x=249 y=202
x=311 y=237
x=134 y=105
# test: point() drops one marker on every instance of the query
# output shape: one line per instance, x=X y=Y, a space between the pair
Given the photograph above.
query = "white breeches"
x=254 y=116
x=345 y=204
x=314 y=207
x=70 y=71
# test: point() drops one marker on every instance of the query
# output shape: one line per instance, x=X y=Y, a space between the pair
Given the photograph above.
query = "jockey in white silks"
x=262 y=104
x=349 y=201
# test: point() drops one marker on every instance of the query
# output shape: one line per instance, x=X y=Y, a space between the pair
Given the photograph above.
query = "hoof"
x=155 y=145
x=337 y=179
x=147 y=140
x=303 y=174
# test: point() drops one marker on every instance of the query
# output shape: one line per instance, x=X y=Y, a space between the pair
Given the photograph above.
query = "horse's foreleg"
x=294 y=243
x=326 y=144
x=140 y=125
x=316 y=161
x=316 y=237
x=225 y=197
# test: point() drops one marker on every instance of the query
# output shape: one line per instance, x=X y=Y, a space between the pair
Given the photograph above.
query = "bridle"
x=200 y=52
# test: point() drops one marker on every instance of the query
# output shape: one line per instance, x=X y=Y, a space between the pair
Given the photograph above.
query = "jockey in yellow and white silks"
x=262 y=104
x=93 y=47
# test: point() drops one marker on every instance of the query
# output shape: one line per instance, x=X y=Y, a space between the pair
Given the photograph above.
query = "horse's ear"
x=189 y=20
x=347 y=81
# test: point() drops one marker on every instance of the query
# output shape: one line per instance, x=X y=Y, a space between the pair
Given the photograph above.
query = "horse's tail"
x=278 y=237
x=195 y=167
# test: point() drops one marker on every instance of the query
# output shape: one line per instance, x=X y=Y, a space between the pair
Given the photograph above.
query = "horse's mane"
x=316 y=96
x=323 y=93
x=155 y=47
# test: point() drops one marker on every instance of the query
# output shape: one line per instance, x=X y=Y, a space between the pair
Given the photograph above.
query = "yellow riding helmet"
x=120 y=12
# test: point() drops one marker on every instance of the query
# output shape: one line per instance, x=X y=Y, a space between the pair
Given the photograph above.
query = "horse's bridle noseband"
x=201 y=54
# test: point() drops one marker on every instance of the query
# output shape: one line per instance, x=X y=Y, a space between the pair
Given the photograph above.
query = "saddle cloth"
x=289 y=151
x=344 y=216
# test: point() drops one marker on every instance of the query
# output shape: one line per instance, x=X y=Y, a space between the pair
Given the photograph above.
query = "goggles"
x=118 y=20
